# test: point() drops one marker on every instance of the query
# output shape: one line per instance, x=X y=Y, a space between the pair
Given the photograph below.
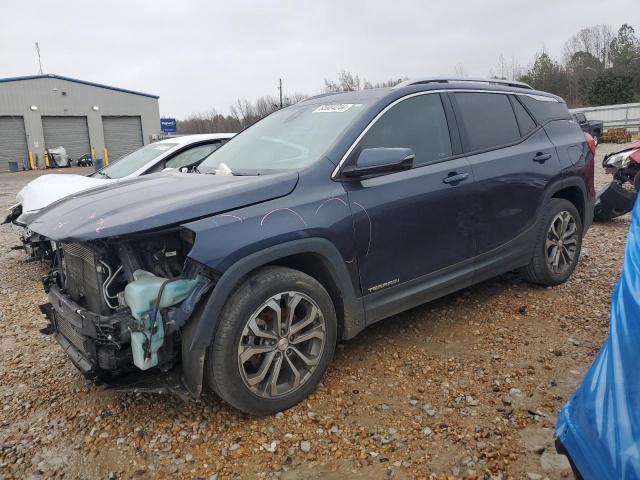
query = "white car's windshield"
x=288 y=139
x=135 y=160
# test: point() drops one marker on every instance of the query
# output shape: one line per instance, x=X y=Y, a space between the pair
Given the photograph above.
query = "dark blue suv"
x=312 y=224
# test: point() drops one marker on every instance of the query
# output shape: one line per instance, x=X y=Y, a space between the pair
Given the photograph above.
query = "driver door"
x=413 y=227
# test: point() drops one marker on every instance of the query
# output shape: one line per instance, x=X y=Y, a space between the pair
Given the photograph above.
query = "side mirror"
x=378 y=161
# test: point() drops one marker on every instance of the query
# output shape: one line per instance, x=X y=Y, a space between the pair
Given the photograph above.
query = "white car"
x=184 y=152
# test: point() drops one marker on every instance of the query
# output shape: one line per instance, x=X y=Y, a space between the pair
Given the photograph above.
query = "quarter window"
x=418 y=123
x=488 y=119
x=525 y=122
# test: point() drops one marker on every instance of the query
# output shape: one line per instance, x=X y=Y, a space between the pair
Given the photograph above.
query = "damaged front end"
x=117 y=306
x=613 y=201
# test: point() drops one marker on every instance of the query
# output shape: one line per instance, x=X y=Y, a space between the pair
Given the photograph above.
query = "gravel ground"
x=468 y=386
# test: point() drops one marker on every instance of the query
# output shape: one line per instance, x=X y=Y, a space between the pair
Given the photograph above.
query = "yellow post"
x=106 y=156
x=46 y=160
x=31 y=165
x=93 y=153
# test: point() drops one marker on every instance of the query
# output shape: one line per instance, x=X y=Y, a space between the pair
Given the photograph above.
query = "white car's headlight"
x=620 y=160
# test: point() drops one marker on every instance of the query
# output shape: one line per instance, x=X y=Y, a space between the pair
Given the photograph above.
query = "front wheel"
x=558 y=243
x=276 y=338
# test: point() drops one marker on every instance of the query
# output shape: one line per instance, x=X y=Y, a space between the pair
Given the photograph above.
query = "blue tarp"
x=600 y=426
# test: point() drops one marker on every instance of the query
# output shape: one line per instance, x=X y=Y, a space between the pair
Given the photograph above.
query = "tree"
x=610 y=88
x=349 y=82
x=582 y=69
x=594 y=40
x=625 y=49
x=548 y=75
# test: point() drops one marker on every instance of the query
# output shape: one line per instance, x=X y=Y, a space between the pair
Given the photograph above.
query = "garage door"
x=71 y=133
x=122 y=135
x=13 y=143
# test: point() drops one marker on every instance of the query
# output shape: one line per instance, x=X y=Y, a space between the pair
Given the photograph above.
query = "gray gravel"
x=466 y=387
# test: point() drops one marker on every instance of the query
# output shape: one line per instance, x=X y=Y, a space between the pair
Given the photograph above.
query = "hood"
x=45 y=190
x=155 y=201
x=624 y=148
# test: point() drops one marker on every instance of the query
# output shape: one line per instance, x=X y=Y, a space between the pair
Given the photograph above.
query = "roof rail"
x=493 y=81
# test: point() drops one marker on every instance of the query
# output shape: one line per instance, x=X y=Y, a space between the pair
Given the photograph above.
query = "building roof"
x=84 y=82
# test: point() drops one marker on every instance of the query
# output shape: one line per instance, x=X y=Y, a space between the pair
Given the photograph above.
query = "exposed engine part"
x=147 y=295
x=105 y=286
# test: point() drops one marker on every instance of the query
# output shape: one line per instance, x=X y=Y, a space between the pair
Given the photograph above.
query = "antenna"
x=280 y=88
x=39 y=60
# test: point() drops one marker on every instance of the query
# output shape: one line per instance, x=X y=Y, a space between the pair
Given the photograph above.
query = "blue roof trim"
x=84 y=82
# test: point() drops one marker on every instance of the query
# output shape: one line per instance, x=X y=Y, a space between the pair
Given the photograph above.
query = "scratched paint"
x=370 y=227
x=332 y=199
x=282 y=210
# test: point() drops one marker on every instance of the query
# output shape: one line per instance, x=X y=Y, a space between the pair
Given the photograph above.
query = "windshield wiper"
x=104 y=175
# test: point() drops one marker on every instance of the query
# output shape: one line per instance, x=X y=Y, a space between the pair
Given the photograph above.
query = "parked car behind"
x=317 y=221
x=619 y=196
x=592 y=127
x=174 y=153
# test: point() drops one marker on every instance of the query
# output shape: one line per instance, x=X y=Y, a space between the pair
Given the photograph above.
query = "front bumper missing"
x=93 y=342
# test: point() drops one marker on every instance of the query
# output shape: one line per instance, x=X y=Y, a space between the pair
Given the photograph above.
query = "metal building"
x=48 y=111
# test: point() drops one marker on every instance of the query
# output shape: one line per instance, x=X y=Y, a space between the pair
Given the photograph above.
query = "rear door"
x=512 y=161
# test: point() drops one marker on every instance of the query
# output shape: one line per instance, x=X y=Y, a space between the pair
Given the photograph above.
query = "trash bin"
x=97 y=163
x=13 y=167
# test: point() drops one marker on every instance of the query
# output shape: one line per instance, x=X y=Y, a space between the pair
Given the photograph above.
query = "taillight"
x=591 y=164
x=591 y=142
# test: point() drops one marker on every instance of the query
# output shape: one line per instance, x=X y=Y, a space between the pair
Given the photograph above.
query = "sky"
x=203 y=55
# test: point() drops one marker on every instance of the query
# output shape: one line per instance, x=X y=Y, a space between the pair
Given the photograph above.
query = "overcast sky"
x=199 y=55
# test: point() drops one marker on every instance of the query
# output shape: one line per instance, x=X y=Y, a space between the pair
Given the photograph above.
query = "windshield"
x=288 y=139
x=135 y=160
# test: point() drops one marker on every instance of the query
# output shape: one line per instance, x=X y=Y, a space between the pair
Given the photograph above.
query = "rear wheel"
x=558 y=244
x=275 y=340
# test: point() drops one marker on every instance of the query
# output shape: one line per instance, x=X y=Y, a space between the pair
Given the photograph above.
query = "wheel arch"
x=575 y=195
x=317 y=257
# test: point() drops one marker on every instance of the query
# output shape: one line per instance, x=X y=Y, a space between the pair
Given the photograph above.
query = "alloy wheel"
x=562 y=242
x=281 y=344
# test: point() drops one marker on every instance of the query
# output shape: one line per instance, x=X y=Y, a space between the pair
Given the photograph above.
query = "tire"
x=541 y=270
x=233 y=369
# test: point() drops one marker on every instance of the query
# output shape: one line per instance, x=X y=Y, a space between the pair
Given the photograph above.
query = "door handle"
x=541 y=157
x=454 y=178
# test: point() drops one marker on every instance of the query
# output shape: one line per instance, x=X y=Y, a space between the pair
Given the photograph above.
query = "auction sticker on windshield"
x=334 y=108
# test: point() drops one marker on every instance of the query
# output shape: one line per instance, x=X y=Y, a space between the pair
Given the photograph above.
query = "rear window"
x=488 y=119
x=544 y=109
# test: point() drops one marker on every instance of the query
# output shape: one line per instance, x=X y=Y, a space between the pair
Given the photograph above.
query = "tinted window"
x=192 y=155
x=418 y=123
x=544 y=110
x=525 y=122
x=488 y=119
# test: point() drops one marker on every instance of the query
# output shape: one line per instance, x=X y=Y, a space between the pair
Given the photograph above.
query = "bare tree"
x=458 y=71
x=594 y=40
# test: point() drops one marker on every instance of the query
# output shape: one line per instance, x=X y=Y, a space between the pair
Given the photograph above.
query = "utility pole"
x=39 y=60
x=280 y=88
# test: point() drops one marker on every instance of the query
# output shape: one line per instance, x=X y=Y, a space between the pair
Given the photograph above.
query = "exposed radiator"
x=83 y=281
